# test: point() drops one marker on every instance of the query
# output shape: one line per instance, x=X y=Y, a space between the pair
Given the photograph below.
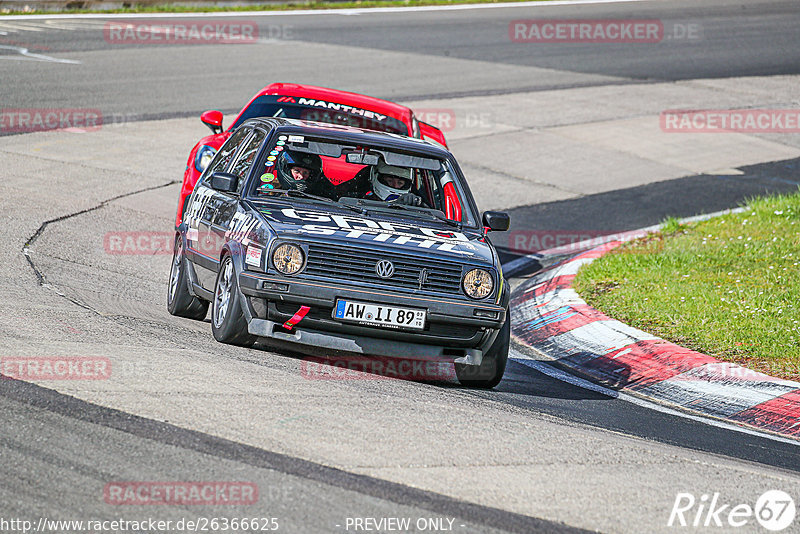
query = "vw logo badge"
x=384 y=269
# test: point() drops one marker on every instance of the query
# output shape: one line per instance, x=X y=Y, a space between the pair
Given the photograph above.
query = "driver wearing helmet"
x=298 y=171
x=392 y=184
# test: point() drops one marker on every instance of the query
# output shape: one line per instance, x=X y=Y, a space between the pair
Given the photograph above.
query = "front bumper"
x=453 y=332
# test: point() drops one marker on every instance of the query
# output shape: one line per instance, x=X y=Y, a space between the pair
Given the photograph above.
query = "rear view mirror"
x=497 y=221
x=212 y=119
x=363 y=159
x=224 y=181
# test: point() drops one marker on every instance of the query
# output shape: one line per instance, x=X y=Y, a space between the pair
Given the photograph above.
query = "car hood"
x=415 y=235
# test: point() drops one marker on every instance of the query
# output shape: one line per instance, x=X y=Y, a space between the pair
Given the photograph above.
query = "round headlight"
x=288 y=258
x=203 y=157
x=478 y=284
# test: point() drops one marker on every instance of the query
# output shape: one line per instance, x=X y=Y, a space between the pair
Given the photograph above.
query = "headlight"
x=478 y=284
x=288 y=258
x=203 y=157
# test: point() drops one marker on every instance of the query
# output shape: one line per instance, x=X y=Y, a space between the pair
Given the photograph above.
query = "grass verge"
x=278 y=6
x=728 y=287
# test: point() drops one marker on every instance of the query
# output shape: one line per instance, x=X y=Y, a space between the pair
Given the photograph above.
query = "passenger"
x=388 y=183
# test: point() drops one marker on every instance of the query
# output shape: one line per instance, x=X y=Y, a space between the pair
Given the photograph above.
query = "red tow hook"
x=297 y=317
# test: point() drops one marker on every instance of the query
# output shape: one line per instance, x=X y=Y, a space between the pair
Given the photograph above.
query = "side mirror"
x=497 y=221
x=224 y=181
x=212 y=119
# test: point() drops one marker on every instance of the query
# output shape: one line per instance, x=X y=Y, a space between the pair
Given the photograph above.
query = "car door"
x=227 y=205
x=203 y=245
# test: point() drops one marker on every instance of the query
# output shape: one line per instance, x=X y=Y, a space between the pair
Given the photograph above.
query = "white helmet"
x=380 y=173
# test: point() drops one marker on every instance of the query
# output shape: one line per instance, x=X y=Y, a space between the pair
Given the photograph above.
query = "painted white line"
x=30 y=56
x=25 y=26
x=583 y=246
x=308 y=12
x=49 y=24
x=558 y=374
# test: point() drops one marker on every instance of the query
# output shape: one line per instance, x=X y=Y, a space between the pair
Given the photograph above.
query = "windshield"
x=367 y=177
x=309 y=109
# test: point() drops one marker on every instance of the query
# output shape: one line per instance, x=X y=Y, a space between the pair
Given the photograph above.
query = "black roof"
x=350 y=134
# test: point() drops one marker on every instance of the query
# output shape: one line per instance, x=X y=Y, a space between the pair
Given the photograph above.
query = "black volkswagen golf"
x=345 y=240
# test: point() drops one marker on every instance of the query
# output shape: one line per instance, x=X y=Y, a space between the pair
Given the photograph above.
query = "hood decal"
x=313 y=222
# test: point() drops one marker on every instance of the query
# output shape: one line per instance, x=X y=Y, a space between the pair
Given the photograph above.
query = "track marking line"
x=27 y=55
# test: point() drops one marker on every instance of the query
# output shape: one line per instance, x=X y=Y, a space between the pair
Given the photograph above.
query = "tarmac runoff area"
x=531 y=148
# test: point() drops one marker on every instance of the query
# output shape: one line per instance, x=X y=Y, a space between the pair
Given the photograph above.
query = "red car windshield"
x=309 y=109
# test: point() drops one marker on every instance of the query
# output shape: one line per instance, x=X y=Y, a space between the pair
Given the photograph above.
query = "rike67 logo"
x=774 y=510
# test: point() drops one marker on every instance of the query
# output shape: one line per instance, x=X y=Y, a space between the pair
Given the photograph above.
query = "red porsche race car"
x=311 y=104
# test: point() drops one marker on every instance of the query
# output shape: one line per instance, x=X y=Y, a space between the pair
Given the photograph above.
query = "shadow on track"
x=647 y=205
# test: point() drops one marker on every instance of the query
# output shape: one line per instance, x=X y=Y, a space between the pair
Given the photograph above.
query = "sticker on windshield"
x=296 y=138
x=282 y=138
x=267 y=177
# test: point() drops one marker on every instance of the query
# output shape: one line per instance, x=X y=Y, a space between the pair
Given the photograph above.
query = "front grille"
x=356 y=264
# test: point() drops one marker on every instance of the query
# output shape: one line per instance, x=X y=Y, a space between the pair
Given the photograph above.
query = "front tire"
x=179 y=301
x=227 y=319
x=490 y=372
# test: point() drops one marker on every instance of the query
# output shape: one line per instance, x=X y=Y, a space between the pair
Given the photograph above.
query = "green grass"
x=282 y=6
x=728 y=287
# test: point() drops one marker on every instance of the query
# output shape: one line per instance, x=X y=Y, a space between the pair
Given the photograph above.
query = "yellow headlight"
x=478 y=284
x=288 y=258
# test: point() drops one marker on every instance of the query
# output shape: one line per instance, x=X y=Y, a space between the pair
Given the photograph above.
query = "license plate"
x=379 y=315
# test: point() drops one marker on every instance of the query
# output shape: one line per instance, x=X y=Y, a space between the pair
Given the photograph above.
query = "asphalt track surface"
x=733 y=38
x=61 y=450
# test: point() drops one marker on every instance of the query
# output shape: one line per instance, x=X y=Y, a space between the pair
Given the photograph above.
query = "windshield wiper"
x=298 y=193
x=303 y=194
x=425 y=211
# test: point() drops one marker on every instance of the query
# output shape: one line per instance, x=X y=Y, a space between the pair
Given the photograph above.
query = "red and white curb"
x=549 y=316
